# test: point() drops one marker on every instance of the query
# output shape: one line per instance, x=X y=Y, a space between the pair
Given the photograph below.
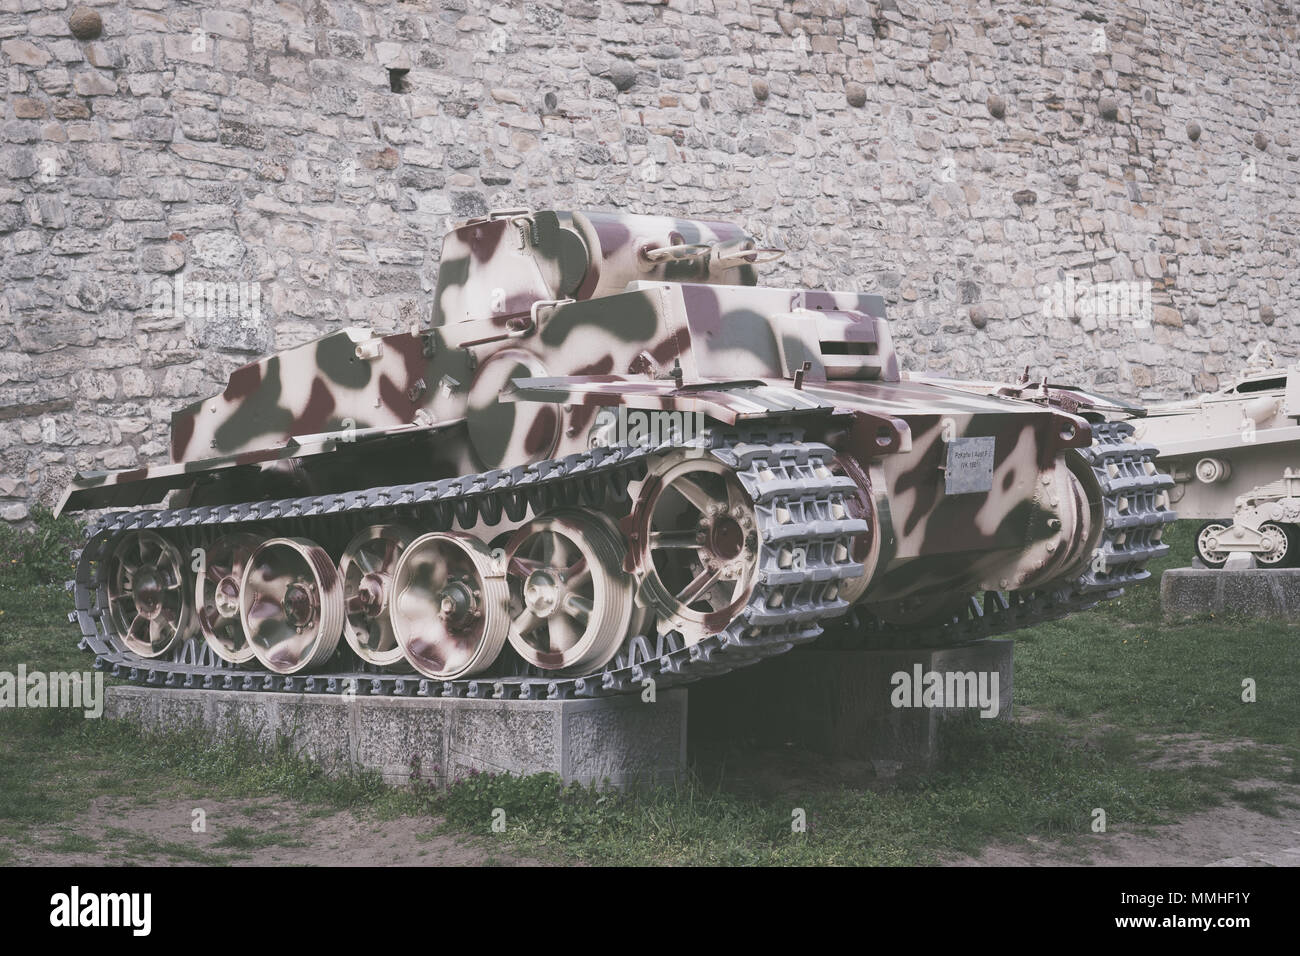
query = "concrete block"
x=499 y=737
x=178 y=712
x=605 y=742
x=846 y=703
x=1264 y=593
x=387 y=739
x=254 y=718
x=618 y=739
x=319 y=726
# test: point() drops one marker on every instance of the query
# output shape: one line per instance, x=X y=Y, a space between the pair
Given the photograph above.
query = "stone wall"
x=958 y=157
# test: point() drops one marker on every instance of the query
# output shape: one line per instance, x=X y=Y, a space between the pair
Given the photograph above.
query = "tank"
x=610 y=457
x=1232 y=454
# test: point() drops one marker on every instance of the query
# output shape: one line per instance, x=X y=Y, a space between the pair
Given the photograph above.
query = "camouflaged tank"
x=612 y=456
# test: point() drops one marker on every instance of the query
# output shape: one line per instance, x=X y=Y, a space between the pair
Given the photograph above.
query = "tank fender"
x=150 y=484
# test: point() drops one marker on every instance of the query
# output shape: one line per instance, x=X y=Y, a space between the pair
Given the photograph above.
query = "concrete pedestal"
x=885 y=706
x=1259 y=593
x=845 y=703
x=619 y=739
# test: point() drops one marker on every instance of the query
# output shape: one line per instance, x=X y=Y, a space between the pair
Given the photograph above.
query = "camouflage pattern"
x=541 y=320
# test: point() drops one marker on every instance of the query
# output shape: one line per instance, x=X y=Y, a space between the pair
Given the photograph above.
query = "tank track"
x=788 y=606
x=798 y=505
x=1133 y=518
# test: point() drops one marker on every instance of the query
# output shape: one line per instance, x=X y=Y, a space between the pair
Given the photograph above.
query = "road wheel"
x=1282 y=538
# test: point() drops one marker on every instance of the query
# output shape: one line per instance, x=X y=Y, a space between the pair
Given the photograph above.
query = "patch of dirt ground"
x=1231 y=835
x=257 y=832
x=1225 y=836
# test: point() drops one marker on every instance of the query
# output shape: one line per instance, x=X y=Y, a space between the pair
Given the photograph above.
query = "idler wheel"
x=367 y=567
x=1207 y=544
x=148 y=602
x=449 y=605
x=571 y=605
x=291 y=605
x=216 y=592
x=696 y=540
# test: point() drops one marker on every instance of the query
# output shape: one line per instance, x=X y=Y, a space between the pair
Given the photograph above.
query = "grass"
x=248 y=838
x=1105 y=691
x=1122 y=663
x=999 y=782
x=133 y=846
